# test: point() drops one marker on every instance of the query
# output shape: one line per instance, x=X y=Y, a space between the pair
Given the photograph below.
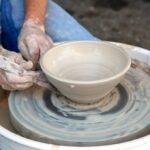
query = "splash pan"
x=121 y=116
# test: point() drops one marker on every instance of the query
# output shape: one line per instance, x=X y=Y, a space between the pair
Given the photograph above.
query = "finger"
x=45 y=45
x=23 y=63
x=24 y=50
x=41 y=76
x=45 y=85
x=14 y=79
x=43 y=49
x=50 y=41
x=12 y=56
x=7 y=87
x=22 y=86
x=4 y=83
x=16 y=86
x=9 y=55
x=19 y=59
x=33 y=49
x=27 y=65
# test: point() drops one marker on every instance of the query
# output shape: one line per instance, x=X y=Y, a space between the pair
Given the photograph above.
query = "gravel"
x=126 y=21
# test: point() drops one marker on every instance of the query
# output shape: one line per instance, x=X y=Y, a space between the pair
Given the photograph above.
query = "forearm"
x=33 y=40
x=35 y=10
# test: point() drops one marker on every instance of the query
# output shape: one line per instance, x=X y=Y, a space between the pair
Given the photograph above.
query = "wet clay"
x=123 y=116
x=70 y=125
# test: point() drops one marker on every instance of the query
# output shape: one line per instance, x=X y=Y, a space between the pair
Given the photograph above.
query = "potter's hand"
x=12 y=77
x=33 y=41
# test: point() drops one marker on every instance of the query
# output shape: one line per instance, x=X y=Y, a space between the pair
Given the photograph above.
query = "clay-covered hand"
x=33 y=41
x=12 y=77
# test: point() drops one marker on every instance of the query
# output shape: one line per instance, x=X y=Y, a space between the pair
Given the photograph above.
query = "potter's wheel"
x=123 y=115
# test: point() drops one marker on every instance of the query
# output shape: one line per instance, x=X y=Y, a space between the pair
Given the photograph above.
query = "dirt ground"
x=125 y=21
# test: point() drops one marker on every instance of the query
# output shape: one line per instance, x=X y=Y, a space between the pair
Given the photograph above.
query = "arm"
x=35 y=10
x=33 y=41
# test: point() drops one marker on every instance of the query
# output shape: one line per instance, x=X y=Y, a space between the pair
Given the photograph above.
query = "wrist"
x=33 y=23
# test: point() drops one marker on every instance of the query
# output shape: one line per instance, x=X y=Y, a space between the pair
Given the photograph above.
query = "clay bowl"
x=85 y=71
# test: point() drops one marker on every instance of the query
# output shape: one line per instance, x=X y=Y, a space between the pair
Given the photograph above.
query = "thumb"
x=27 y=65
x=33 y=49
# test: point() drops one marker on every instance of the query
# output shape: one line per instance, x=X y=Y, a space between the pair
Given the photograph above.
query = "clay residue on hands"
x=33 y=41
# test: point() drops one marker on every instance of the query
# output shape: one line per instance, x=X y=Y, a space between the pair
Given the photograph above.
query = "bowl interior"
x=85 y=61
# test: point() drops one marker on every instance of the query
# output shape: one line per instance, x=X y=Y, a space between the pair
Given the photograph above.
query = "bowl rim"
x=122 y=50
